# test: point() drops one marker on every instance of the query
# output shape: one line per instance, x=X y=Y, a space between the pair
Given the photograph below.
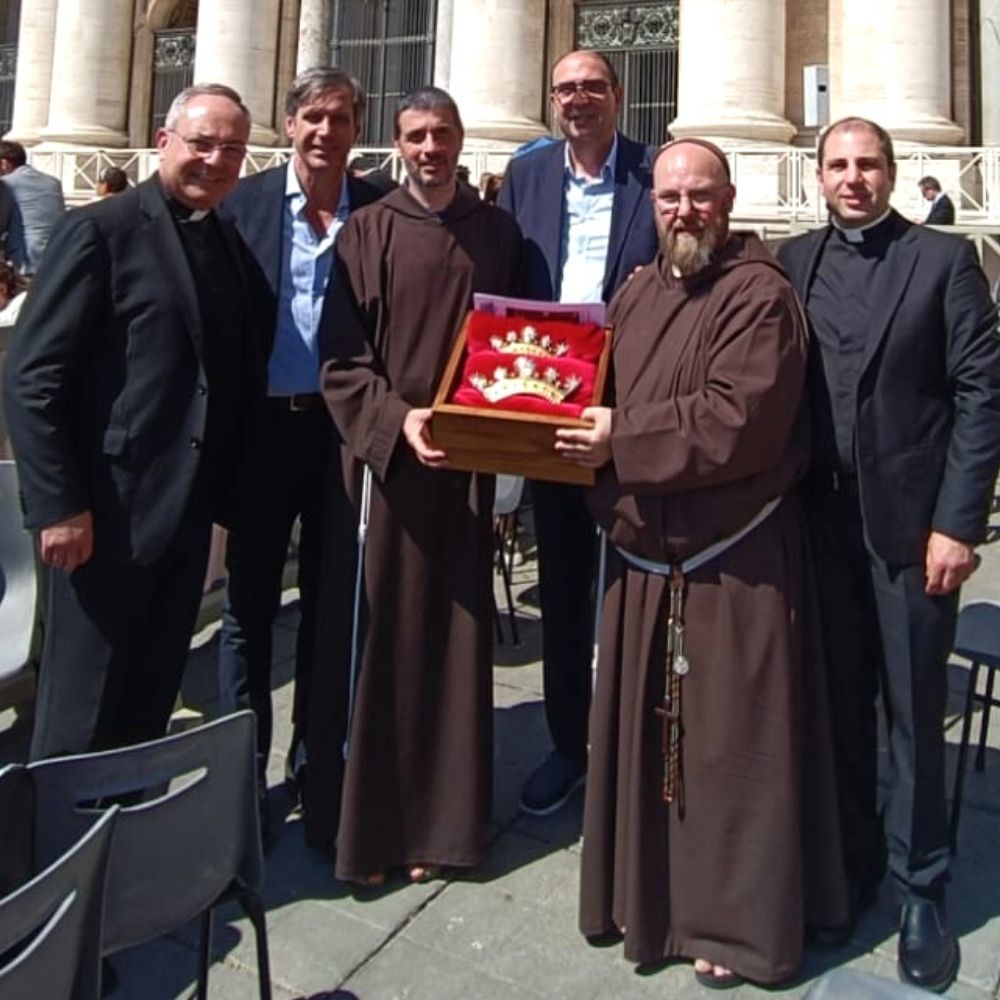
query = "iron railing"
x=776 y=185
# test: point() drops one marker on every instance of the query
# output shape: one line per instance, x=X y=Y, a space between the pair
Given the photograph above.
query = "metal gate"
x=389 y=46
x=173 y=70
x=640 y=40
x=10 y=19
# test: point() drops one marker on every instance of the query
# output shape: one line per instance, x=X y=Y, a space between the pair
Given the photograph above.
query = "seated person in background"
x=942 y=210
x=113 y=180
x=13 y=287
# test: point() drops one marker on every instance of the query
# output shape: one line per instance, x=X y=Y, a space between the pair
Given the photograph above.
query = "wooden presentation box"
x=493 y=440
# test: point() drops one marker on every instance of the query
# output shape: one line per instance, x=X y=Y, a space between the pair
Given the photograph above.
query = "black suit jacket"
x=532 y=192
x=257 y=208
x=927 y=433
x=942 y=213
x=105 y=386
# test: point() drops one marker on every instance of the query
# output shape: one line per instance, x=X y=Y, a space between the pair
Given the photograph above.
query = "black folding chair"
x=977 y=639
x=187 y=838
x=18 y=595
x=50 y=920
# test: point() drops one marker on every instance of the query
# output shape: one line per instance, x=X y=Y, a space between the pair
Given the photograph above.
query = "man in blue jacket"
x=583 y=206
x=289 y=217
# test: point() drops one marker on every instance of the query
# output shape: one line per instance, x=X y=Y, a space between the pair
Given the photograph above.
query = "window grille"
x=640 y=40
x=173 y=70
x=389 y=46
x=10 y=18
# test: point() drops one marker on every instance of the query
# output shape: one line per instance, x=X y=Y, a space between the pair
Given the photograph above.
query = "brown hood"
x=465 y=203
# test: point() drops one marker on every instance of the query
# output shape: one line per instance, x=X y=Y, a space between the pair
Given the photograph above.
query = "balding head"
x=692 y=198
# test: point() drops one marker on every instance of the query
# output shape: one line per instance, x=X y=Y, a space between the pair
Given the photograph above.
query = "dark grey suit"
x=533 y=192
x=926 y=449
x=108 y=398
x=292 y=460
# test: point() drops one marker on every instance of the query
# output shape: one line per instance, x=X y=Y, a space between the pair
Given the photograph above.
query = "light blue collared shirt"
x=306 y=262
x=586 y=230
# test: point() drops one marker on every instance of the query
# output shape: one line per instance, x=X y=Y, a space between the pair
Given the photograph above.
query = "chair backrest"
x=977 y=634
x=508 y=496
x=18 y=580
x=176 y=850
x=50 y=926
x=17 y=828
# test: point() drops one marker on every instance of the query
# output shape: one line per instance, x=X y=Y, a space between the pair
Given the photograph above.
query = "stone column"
x=894 y=67
x=92 y=52
x=732 y=71
x=237 y=45
x=314 y=35
x=497 y=51
x=442 y=43
x=989 y=42
x=36 y=36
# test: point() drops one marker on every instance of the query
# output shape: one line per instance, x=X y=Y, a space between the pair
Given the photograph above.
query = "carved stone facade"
x=921 y=67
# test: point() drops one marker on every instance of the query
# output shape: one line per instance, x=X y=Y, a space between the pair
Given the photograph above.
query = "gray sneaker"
x=552 y=785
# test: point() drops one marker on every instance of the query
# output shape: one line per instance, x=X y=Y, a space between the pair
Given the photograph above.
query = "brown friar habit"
x=707 y=428
x=417 y=785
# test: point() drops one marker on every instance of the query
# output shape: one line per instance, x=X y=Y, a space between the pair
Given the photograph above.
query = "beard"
x=689 y=253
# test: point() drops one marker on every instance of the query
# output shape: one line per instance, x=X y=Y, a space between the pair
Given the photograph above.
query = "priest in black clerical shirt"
x=131 y=388
x=905 y=398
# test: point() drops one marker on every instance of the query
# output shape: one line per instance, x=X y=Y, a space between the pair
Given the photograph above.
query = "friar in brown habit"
x=709 y=825
x=417 y=785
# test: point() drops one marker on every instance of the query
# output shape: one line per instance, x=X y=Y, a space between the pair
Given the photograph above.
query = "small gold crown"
x=525 y=380
x=528 y=342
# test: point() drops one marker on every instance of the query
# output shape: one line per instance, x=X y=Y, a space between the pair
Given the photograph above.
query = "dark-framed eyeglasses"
x=203 y=147
x=591 y=89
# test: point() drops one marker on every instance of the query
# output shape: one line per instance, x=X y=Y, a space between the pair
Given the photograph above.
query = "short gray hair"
x=188 y=94
x=320 y=79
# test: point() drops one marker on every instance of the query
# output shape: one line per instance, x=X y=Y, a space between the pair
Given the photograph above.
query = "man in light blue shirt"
x=583 y=206
x=289 y=217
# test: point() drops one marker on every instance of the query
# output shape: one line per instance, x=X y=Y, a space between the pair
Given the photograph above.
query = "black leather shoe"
x=928 y=951
x=552 y=785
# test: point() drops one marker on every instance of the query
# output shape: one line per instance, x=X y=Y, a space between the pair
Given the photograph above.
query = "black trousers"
x=289 y=482
x=882 y=632
x=567 y=548
x=116 y=644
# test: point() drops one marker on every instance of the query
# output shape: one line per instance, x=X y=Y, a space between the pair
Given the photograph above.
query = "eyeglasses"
x=591 y=89
x=203 y=147
x=699 y=200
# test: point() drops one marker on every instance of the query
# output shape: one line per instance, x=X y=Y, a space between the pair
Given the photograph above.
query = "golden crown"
x=526 y=379
x=528 y=342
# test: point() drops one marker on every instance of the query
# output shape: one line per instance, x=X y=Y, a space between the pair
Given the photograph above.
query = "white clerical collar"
x=857 y=233
x=197 y=215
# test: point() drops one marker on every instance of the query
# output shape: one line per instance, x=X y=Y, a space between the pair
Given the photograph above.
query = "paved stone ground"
x=508 y=932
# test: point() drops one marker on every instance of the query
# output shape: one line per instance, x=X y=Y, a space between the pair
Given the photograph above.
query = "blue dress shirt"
x=586 y=230
x=306 y=262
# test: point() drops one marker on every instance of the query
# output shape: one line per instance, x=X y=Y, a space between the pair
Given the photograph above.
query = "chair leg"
x=496 y=619
x=253 y=907
x=505 y=574
x=204 y=953
x=963 y=751
x=984 y=723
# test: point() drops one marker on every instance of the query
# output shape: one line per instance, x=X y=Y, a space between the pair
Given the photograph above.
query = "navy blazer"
x=942 y=213
x=533 y=192
x=256 y=206
x=927 y=418
x=105 y=385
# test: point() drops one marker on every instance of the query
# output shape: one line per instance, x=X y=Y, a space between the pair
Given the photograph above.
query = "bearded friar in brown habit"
x=710 y=820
